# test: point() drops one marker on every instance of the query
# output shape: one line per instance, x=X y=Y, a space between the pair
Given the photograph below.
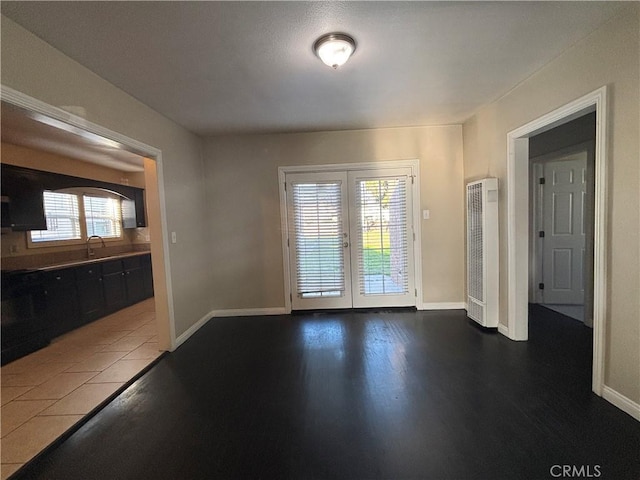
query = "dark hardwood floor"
x=393 y=395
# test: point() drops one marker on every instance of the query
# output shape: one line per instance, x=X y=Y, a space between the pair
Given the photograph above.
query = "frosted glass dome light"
x=334 y=49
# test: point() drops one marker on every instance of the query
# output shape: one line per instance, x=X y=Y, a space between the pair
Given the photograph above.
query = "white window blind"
x=383 y=264
x=103 y=216
x=63 y=218
x=319 y=237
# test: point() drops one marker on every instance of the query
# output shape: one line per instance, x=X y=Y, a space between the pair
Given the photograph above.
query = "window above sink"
x=75 y=214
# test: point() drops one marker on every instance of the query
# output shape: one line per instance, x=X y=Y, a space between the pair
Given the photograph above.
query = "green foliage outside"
x=376 y=244
x=376 y=253
x=376 y=262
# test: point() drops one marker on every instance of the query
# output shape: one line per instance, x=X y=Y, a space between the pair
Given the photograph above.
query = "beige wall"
x=610 y=56
x=243 y=202
x=33 y=67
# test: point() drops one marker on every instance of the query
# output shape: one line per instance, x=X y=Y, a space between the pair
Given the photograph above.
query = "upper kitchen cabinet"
x=141 y=220
x=22 y=192
x=23 y=189
x=133 y=211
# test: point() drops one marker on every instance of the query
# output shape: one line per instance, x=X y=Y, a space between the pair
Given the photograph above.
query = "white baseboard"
x=248 y=312
x=238 y=312
x=443 y=306
x=503 y=330
x=192 y=329
x=623 y=403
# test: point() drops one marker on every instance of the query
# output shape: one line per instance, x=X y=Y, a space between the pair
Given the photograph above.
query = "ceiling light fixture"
x=334 y=49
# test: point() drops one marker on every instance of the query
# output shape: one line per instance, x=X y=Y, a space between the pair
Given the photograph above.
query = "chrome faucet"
x=90 y=252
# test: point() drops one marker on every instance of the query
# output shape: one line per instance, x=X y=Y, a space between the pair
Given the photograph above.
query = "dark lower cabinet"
x=134 y=279
x=147 y=276
x=115 y=289
x=23 y=327
x=61 y=295
x=115 y=293
x=40 y=305
x=135 y=285
x=90 y=293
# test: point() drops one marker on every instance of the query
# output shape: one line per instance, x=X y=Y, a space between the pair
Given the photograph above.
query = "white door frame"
x=166 y=326
x=284 y=227
x=518 y=221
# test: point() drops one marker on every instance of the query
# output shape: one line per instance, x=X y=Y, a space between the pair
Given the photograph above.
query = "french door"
x=350 y=239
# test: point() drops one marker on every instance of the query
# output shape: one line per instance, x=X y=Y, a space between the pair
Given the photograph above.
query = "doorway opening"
x=350 y=235
x=151 y=158
x=561 y=218
x=518 y=220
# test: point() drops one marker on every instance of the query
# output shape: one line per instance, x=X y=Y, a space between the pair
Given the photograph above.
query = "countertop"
x=76 y=263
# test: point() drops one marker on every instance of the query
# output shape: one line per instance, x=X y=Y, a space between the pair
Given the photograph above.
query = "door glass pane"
x=319 y=239
x=382 y=236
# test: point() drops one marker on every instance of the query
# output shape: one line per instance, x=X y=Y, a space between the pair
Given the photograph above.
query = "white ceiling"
x=28 y=129
x=222 y=67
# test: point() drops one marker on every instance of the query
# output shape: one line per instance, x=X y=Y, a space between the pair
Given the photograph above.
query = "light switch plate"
x=425 y=214
x=174 y=238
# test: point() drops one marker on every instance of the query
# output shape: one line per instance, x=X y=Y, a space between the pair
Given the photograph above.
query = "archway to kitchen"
x=92 y=349
x=154 y=198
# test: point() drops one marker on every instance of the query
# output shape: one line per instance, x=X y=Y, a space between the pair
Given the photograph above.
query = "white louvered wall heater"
x=482 y=252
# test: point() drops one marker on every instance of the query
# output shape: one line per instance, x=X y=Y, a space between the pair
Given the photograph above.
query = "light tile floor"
x=47 y=392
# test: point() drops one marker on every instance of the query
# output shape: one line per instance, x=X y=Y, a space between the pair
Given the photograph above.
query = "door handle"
x=345 y=244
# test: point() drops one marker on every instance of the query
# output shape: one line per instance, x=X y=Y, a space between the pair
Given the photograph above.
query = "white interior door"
x=318 y=222
x=351 y=241
x=564 y=202
x=382 y=238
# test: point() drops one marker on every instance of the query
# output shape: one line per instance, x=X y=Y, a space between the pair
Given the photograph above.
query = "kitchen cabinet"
x=43 y=304
x=123 y=282
x=128 y=209
x=62 y=306
x=23 y=189
x=6 y=214
x=133 y=210
x=90 y=293
x=133 y=277
x=147 y=276
x=22 y=327
x=24 y=207
x=141 y=220
x=113 y=282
